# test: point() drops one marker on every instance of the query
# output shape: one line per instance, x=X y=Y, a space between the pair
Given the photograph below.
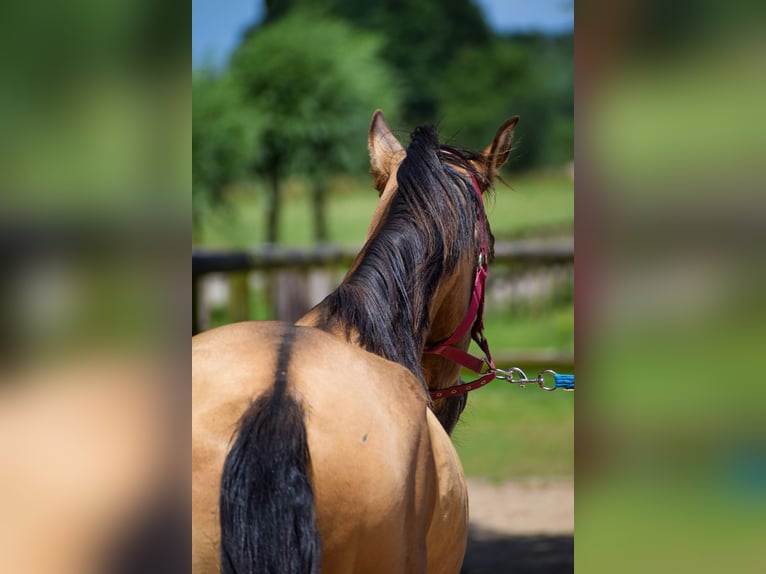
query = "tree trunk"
x=319 y=199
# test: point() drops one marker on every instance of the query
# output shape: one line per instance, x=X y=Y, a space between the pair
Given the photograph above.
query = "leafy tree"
x=313 y=82
x=531 y=75
x=223 y=132
x=421 y=37
x=454 y=70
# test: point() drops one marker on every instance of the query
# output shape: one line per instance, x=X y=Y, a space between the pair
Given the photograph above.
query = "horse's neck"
x=446 y=311
x=404 y=348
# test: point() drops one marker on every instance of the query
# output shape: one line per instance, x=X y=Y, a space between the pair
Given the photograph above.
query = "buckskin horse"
x=324 y=445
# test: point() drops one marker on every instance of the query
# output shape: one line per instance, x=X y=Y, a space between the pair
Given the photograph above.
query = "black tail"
x=268 y=518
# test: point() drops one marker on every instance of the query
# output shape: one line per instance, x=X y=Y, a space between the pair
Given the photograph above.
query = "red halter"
x=473 y=320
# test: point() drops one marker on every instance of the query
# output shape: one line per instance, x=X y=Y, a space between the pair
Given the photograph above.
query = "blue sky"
x=218 y=24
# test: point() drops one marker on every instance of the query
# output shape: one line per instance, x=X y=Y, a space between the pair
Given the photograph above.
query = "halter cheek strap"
x=473 y=320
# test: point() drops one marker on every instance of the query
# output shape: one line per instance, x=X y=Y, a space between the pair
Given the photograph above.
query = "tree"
x=531 y=75
x=223 y=132
x=420 y=38
x=313 y=82
x=455 y=71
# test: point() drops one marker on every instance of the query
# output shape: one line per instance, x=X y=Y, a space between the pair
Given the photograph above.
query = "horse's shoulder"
x=354 y=369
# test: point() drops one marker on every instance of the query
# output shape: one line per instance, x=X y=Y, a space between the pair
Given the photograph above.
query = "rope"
x=562 y=381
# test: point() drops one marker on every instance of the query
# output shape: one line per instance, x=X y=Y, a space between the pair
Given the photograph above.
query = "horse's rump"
x=267 y=511
x=367 y=428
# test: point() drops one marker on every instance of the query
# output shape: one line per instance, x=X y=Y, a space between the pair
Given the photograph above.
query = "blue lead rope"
x=516 y=376
x=561 y=381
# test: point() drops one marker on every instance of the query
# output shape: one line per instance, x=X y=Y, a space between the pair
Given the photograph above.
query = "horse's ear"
x=496 y=153
x=385 y=149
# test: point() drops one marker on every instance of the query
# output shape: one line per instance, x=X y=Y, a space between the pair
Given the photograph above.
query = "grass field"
x=505 y=432
x=533 y=204
x=508 y=432
x=552 y=328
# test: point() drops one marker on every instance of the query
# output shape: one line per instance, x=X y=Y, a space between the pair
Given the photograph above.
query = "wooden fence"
x=296 y=263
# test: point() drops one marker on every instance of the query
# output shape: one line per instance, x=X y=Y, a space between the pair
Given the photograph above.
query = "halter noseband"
x=473 y=320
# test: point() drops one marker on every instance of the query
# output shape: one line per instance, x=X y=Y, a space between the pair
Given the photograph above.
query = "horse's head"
x=452 y=181
x=387 y=154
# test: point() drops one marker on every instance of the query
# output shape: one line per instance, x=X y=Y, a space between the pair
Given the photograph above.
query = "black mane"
x=428 y=226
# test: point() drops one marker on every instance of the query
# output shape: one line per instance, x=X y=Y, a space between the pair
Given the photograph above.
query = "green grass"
x=535 y=203
x=508 y=432
x=242 y=222
x=552 y=328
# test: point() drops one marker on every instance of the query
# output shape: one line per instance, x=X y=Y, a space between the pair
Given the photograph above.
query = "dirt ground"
x=520 y=527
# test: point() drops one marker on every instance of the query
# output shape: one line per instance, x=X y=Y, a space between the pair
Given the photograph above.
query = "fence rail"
x=266 y=258
x=238 y=263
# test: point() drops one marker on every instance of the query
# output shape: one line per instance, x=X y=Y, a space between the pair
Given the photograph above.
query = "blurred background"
x=671 y=456
x=95 y=216
x=283 y=93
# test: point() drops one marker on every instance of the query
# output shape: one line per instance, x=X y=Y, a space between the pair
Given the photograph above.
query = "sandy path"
x=520 y=528
x=530 y=507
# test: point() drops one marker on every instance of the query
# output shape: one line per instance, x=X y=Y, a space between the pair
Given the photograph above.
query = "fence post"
x=239 y=297
x=290 y=296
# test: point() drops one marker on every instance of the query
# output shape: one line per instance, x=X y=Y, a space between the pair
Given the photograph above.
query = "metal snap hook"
x=541 y=380
x=516 y=376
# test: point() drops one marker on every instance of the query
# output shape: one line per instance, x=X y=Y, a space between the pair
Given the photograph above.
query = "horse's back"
x=379 y=459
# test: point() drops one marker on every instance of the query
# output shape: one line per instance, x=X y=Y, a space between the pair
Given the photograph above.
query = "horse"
x=317 y=446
